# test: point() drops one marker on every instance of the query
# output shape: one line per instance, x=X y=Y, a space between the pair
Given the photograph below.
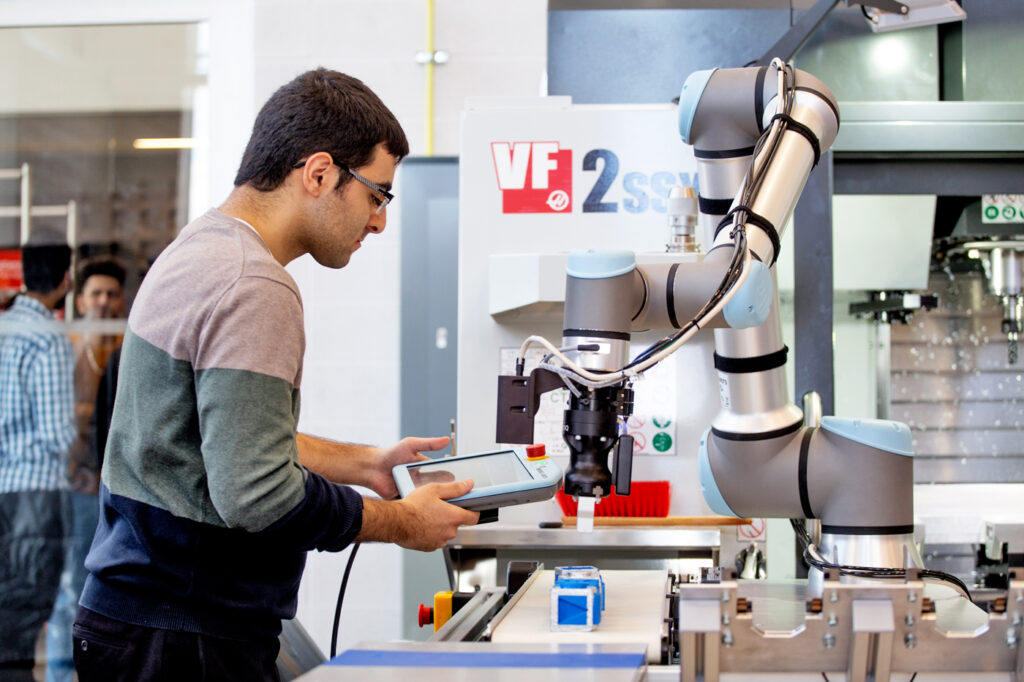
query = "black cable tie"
x=758 y=363
x=757 y=221
x=709 y=206
x=798 y=127
x=805 y=496
x=670 y=296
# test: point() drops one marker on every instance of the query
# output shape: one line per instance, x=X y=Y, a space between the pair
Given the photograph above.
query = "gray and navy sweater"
x=206 y=513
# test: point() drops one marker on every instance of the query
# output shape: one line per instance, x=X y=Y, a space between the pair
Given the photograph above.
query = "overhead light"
x=164 y=143
x=911 y=13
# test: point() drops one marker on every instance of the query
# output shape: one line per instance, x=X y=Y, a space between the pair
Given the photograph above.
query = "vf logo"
x=534 y=177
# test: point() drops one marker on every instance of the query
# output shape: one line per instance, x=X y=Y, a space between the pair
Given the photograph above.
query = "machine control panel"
x=500 y=478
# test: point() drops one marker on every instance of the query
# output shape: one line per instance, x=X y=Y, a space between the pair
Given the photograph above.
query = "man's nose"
x=378 y=221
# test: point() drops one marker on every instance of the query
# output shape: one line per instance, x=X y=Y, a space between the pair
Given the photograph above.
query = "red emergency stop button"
x=535 y=451
x=426 y=615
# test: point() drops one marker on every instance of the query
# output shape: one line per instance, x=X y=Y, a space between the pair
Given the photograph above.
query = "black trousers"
x=108 y=650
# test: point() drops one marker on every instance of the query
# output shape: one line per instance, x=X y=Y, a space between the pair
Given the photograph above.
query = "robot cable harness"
x=735 y=274
x=814 y=558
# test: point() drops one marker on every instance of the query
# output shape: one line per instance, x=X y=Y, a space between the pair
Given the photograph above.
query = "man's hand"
x=379 y=478
x=362 y=465
x=422 y=521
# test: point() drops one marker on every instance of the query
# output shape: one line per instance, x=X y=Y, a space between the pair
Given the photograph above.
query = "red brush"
x=646 y=499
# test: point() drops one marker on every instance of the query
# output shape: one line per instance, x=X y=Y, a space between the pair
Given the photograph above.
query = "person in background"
x=99 y=296
x=209 y=497
x=37 y=427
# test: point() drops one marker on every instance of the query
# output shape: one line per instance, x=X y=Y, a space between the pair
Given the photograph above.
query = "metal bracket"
x=883 y=5
x=518 y=401
x=871 y=649
x=700 y=623
x=893 y=306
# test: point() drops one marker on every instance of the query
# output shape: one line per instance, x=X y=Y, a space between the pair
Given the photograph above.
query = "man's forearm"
x=382 y=521
x=338 y=462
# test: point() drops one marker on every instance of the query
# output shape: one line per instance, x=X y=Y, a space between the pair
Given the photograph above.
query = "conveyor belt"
x=635 y=609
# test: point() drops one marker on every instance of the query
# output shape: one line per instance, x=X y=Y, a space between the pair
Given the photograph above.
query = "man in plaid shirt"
x=36 y=428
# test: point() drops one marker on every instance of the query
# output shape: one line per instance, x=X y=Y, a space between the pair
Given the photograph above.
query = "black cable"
x=870 y=571
x=732 y=273
x=341 y=598
x=752 y=184
x=825 y=676
x=912 y=677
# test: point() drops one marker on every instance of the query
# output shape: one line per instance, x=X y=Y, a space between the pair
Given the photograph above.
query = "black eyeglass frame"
x=388 y=197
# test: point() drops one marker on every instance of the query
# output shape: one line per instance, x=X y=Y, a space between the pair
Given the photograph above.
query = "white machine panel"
x=546 y=177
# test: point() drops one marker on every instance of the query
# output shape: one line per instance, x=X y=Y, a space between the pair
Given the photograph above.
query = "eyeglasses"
x=385 y=197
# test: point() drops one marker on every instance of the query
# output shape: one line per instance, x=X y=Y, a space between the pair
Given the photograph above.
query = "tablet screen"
x=494 y=469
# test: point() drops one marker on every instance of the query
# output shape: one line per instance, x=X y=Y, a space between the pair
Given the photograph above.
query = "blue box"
x=577 y=598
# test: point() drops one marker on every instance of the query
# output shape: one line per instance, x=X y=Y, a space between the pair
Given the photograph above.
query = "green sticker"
x=991 y=212
x=662 y=422
x=1009 y=212
x=662 y=441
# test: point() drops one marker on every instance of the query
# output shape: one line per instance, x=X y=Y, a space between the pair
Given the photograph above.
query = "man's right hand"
x=422 y=521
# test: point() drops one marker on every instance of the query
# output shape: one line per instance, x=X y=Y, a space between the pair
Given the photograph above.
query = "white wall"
x=351 y=378
x=117 y=68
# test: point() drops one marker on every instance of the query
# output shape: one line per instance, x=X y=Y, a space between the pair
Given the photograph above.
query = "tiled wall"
x=351 y=377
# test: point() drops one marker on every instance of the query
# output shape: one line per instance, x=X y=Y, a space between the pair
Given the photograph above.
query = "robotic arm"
x=757 y=134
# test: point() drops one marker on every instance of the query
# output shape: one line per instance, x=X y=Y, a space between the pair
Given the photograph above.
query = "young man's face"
x=349 y=214
x=101 y=297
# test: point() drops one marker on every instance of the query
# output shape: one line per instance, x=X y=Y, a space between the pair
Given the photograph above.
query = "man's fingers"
x=446 y=491
x=428 y=444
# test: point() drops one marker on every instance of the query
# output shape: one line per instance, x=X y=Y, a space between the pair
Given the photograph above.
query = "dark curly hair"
x=320 y=110
x=101 y=265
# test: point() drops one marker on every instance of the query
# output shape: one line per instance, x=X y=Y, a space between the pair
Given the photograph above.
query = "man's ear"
x=312 y=174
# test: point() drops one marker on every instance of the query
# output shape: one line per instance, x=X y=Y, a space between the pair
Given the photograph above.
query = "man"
x=209 y=498
x=36 y=429
x=99 y=296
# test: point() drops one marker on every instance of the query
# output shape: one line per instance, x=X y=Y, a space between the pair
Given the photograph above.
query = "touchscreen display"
x=496 y=469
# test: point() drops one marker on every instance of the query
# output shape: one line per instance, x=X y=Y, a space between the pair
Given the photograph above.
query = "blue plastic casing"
x=883 y=434
x=577 y=597
x=689 y=98
x=594 y=264
x=750 y=306
x=712 y=495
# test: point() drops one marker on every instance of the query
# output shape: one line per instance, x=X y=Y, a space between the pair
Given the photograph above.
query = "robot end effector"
x=608 y=295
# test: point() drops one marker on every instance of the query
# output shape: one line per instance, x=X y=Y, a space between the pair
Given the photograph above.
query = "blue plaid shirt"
x=37 y=417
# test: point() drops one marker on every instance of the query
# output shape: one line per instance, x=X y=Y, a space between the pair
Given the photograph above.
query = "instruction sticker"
x=1002 y=208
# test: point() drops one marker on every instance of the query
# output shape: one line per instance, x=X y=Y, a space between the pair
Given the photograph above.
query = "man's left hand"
x=406 y=450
